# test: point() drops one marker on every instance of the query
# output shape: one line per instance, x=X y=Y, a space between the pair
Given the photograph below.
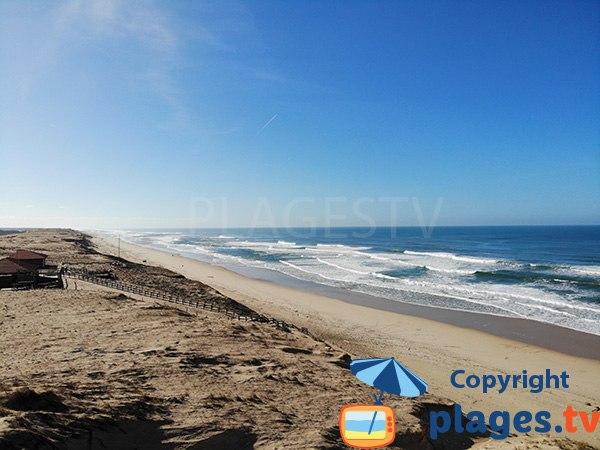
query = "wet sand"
x=549 y=336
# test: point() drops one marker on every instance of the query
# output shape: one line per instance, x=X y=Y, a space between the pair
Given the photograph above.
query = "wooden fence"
x=209 y=305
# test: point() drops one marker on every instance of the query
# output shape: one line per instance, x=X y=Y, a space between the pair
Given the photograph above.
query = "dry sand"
x=107 y=370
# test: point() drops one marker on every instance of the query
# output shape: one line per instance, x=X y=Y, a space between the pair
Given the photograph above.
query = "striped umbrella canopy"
x=389 y=376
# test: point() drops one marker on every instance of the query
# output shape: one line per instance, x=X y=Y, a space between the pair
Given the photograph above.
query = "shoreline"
x=546 y=335
x=541 y=334
x=433 y=350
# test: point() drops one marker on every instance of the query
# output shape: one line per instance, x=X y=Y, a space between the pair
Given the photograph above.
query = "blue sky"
x=170 y=114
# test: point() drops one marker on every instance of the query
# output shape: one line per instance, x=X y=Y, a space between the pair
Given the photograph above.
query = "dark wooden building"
x=14 y=273
x=32 y=258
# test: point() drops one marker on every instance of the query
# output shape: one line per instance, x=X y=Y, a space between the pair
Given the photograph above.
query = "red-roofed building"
x=8 y=265
x=15 y=272
x=27 y=257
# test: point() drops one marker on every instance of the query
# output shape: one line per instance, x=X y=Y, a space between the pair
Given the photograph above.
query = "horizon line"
x=17 y=228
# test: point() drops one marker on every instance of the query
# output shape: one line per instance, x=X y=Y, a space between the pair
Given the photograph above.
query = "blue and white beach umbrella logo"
x=374 y=426
x=388 y=375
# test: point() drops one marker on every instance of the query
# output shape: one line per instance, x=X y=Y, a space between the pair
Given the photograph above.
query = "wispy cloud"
x=76 y=26
x=151 y=28
x=30 y=206
x=149 y=46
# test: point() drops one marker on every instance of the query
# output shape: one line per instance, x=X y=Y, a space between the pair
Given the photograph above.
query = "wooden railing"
x=209 y=305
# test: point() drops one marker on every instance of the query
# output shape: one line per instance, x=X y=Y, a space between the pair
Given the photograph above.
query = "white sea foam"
x=468 y=259
x=545 y=308
x=384 y=276
x=372 y=256
x=285 y=243
x=339 y=247
x=307 y=271
x=342 y=268
x=446 y=282
x=456 y=271
x=588 y=270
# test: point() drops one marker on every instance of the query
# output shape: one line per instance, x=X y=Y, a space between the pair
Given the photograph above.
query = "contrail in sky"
x=266 y=124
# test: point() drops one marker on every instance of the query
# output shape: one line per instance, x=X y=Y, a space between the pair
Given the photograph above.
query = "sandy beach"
x=97 y=368
x=430 y=348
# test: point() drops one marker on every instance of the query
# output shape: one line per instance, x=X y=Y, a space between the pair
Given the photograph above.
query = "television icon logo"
x=367 y=426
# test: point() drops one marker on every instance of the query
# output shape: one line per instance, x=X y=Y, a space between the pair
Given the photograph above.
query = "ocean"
x=548 y=274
